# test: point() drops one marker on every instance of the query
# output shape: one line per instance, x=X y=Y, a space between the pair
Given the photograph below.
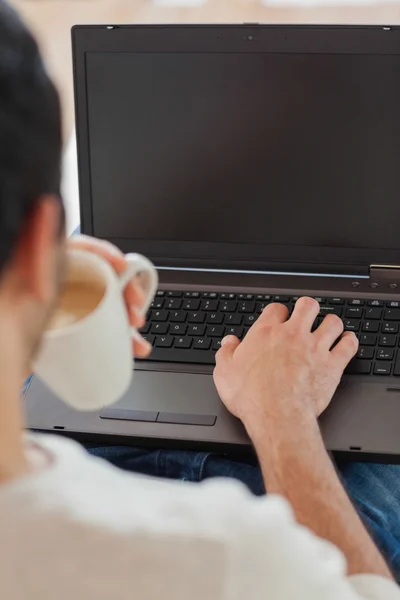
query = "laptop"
x=252 y=164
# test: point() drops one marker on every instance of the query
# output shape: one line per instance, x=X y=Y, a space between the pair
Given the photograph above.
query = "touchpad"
x=182 y=398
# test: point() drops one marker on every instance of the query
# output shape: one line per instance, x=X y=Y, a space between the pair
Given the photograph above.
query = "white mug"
x=89 y=363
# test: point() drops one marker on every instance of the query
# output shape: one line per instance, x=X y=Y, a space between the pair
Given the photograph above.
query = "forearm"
x=296 y=465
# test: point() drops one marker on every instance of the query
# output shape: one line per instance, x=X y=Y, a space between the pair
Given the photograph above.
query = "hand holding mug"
x=133 y=293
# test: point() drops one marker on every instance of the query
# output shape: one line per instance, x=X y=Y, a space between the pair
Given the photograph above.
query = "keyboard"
x=187 y=327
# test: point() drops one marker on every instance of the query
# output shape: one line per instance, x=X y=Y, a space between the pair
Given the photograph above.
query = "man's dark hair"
x=30 y=130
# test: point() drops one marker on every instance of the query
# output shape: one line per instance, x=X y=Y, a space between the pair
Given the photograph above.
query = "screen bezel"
x=377 y=40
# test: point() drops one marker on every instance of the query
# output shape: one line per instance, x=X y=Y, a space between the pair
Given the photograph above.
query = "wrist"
x=282 y=428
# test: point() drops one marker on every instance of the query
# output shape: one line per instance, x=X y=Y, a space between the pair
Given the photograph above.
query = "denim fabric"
x=374 y=489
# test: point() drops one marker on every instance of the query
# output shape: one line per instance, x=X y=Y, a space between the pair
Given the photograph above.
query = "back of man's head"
x=30 y=131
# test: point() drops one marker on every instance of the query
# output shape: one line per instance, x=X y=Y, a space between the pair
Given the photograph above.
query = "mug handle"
x=140 y=265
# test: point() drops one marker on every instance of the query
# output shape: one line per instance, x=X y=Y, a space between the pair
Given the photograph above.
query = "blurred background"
x=52 y=21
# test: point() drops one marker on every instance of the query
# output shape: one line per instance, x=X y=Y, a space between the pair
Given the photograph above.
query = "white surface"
x=82 y=529
x=331 y=3
x=70 y=187
x=179 y=2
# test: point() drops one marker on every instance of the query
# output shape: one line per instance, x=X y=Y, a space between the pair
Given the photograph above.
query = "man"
x=72 y=526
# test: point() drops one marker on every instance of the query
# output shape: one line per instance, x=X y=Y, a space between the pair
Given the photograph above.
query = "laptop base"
x=361 y=423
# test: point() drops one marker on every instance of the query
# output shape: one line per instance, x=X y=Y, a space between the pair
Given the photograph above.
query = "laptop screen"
x=245 y=148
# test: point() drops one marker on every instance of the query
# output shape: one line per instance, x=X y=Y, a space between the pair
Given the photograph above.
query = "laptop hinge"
x=385 y=273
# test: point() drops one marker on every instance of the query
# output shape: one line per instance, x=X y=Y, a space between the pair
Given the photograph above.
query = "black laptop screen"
x=245 y=148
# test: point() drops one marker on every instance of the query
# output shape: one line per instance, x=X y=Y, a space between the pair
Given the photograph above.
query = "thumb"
x=227 y=350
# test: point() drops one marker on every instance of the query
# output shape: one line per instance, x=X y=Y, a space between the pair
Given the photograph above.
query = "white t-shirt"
x=80 y=529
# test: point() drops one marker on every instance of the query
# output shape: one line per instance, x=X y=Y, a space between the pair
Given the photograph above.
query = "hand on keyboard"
x=282 y=368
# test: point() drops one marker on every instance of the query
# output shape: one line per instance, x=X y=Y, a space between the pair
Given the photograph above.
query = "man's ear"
x=34 y=260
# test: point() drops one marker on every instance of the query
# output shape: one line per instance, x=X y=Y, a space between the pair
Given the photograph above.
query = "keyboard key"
x=177 y=316
x=392 y=314
x=368 y=339
x=196 y=317
x=359 y=367
x=192 y=294
x=356 y=302
x=318 y=299
x=157 y=303
x=198 y=330
x=215 y=331
x=227 y=296
x=385 y=354
x=209 y=305
x=373 y=313
x=183 y=342
x=173 y=304
x=160 y=294
x=149 y=338
x=335 y=300
x=228 y=306
x=263 y=297
x=159 y=315
x=215 y=318
x=396 y=370
x=145 y=328
x=375 y=303
x=233 y=319
x=238 y=331
x=334 y=310
x=210 y=295
x=202 y=343
x=174 y=294
x=178 y=328
x=390 y=328
x=382 y=368
x=281 y=298
x=393 y=303
x=354 y=312
x=388 y=340
x=191 y=304
x=260 y=307
x=249 y=320
x=245 y=297
x=247 y=307
x=366 y=353
x=159 y=328
x=216 y=345
x=351 y=325
x=371 y=326
x=164 y=341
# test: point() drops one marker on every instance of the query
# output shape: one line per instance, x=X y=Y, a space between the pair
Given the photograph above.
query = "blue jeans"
x=374 y=489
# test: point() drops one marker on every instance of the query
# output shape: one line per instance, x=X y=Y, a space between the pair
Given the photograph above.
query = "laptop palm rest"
x=185 y=399
x=153 y=397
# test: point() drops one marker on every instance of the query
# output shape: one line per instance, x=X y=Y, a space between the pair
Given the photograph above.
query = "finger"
x=141 y=349
x=227 y=350
x=346 y=349
x=272 y=314
x=136 y=317
x=134 y=295
x=305 y=312
x=329 y=331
